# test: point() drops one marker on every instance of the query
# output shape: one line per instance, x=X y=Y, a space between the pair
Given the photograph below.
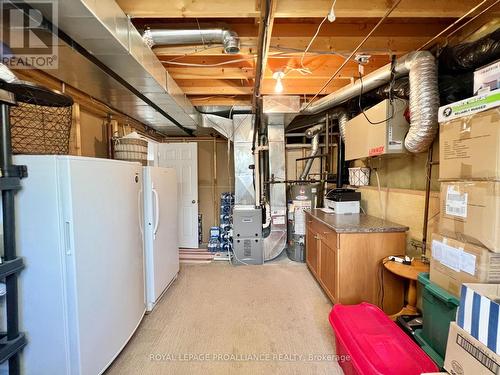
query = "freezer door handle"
x=67 y=237
x=139 y=210
x=157 y=212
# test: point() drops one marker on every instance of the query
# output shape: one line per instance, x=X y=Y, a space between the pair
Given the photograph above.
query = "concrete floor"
x=221 y=319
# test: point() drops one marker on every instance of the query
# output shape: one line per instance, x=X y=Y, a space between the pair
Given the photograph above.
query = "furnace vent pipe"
x=314 y=151
x=228 y=38
x=424 y=98
x=313 y=132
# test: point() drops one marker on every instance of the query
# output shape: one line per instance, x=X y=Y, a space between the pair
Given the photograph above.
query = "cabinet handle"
x=316 y=237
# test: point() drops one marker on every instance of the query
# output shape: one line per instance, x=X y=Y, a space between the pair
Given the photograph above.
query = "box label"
x=487 y=78
x=469 y=106
x=468 y=263
x=455 y=258
x=456 y=202
x=300 y=216
x=478 y=354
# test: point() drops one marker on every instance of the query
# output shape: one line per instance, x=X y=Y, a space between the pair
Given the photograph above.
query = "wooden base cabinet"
x=348 y=266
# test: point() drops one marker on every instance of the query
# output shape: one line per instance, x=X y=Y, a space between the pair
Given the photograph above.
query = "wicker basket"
x=131 y=149
x=39 y=129
x=359 y=176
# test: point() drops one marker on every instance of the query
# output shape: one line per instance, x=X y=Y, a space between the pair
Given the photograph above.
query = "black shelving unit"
x=12 y=341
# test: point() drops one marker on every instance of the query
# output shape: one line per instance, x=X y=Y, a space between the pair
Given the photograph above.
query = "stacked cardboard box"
x=473 y=346
x=467 y=247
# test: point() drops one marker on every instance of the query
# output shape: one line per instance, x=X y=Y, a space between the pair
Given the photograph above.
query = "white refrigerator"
x=82 y=293
x=160 y=231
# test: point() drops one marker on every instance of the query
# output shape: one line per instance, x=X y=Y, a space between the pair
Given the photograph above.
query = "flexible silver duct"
x=313 y=152
x=228 y=38
x=342 y=118
x=424 y=102
x=313 y=130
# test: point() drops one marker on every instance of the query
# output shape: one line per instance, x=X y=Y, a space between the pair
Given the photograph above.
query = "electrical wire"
x=309 y=45
x=361 y=109
x=389 y=11
x=382 y=208
x=472 y=10
x=381 y=291
x=472 y=19
x=210 y=65
x=307 y=70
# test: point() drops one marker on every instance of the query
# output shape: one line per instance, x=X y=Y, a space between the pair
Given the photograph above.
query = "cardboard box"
x=478 y=313
x=469 y=147
x=467 y=356
x=470 y=212
x=487 y=78
x=454 y=262
x=363 y=139
x=467 y=107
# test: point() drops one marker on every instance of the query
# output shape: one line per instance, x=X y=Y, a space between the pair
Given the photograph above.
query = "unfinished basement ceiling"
x=208 y=76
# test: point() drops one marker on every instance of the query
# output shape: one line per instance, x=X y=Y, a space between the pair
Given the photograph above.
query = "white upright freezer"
x=160 y=231
x=82 y=294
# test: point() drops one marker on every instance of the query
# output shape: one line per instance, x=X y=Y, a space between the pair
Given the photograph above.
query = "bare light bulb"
x=279 y=85
x=278 y=76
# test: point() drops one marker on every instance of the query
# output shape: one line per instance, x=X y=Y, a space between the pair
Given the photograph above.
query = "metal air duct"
x=228 y=38
x=424 y=98
x=102 y=54
x=275 y=243
x=312 y=132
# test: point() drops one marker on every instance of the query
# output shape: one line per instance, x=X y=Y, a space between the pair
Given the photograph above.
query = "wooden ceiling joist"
x=208 y=76
x=221 y=100
x=296 y=45
x=227 y=87
x=293 y=8
x=320 y=66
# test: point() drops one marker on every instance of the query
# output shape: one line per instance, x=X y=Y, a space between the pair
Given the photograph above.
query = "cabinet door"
x=312 y=250
x=328 y=269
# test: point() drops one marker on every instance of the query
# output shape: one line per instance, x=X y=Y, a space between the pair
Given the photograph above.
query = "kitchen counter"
x=356 y=223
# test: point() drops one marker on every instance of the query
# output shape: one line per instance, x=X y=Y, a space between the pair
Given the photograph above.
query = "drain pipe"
x=424 y=98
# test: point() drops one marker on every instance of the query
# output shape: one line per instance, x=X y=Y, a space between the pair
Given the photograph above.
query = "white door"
x=183 y=157
x=162 y=252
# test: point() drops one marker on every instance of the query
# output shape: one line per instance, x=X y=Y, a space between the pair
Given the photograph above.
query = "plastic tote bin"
x=439 y=308
x=373 y=344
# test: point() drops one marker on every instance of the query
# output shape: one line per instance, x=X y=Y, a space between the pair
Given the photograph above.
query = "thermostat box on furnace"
x=247 y=222
x=382 y=131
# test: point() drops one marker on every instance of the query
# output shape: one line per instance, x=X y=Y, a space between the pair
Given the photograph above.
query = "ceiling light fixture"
x=148 y=38
x=278 y=76
x=331 y=14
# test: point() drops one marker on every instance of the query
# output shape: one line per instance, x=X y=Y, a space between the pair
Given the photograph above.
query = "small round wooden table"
x=409 y=272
